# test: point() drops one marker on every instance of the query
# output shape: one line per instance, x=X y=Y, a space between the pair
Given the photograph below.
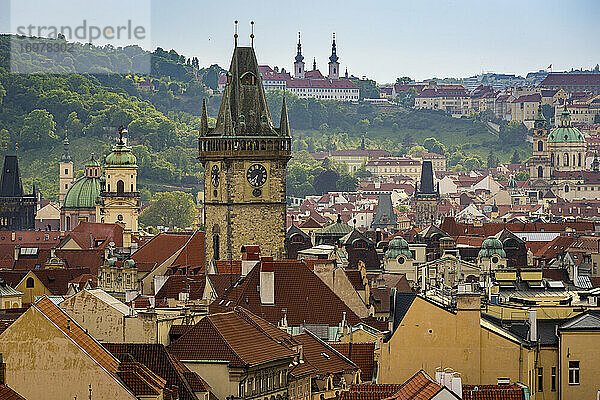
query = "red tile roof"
x=102 y=234
x=304 y=296
x=321 y=83
x=228 y=267
x=492 y=392
x=158 y=250
x=175 y=284
x=57 y=280
x=367 y=391
x=528 y=98
x=565 y=79
x=362 y=354
x=7 y=393
x=323 y=358
x=235 y=337
x=419 y=387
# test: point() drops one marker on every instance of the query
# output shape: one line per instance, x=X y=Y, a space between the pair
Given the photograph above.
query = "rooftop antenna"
x=235 y=34
x=252 y=34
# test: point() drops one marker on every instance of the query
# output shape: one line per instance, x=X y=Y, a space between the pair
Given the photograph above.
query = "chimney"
x=532 y=325
x=447 y=374
x=2 y=370
x=575 y=274
x=457 y=385
x=250 y=257
x=17 y=250
x=267 y=281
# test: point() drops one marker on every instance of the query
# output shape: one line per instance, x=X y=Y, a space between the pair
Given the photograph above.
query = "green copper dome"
x=565 y=133
x=121 y=156
x=491 y=246
x=398 y=246
x=82 y=193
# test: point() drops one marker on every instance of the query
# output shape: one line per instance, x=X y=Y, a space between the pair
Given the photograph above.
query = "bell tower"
x=299 y=62
x=119 y=200
x=539 y=164
x=65 y=166
x=334 y=65
x=244 y=158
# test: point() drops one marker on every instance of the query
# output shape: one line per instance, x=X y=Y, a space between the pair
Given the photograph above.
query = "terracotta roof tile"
x=322 y=357
x=192 y=255
x=158 y=250
x=232 y=337
x=367 y=391
x=57 y=280
x=7 y=393
x=419 y=387
x=305 y=298
x=159 y=361
x=492 y=392
x=229 y=266
x=175 y=284
x=140 y=380
x=362 y=354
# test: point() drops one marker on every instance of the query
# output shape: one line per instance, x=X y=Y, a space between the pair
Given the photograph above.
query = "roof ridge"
x=223 y=337
x=330 y=348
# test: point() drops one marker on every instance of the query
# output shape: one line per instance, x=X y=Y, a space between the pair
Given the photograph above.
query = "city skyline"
x=421 y=40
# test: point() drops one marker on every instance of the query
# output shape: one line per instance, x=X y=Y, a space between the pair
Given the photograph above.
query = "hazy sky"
x=383 y=39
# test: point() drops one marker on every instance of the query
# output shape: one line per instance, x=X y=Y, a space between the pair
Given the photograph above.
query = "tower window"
x=540 y=172
x=216 y=246
x=120 y=186
x=540 y=146
x=248 y=79
x=66 y=171
x=29 y=283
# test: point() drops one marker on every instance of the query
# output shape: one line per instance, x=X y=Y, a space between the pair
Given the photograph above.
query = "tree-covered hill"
x=36 y=111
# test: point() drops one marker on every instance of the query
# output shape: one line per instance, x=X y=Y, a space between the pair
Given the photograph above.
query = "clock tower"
x=244 y=158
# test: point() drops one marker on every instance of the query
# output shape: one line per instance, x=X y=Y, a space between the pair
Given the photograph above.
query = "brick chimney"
x=250 y=257
x=267 y=281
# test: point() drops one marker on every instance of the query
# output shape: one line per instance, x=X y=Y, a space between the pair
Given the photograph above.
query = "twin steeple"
x=334 y=65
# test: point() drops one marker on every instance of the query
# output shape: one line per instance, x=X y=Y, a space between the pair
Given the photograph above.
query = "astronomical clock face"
x=214 y=175
x=256 y=175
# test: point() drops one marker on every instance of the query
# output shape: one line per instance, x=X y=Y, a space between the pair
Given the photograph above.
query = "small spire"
x=252 y=34
x=314 y=64
x=333 y=58
x=299 y=56
x=204 y=119
x=66 y=156
x=235 y=34
x=284 y=124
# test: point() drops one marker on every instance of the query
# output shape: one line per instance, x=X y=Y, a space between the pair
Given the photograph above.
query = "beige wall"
x=582 y=347
x=10 y=302
x=430 y=337
x=38 y=288
x=338 y=282
x=43 y=364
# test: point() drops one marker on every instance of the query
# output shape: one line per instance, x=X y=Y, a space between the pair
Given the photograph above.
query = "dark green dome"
x=82 y=193
x=491 y=246
x=121 y=156
x=398 y=246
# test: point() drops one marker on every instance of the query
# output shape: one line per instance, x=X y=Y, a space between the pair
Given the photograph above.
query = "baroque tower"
x=539 y=164
x=244 y=158
x=334 y=65
x=65 y=171
x=299 y=62
x=119 y=200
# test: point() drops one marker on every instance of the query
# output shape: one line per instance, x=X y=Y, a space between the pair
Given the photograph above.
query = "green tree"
x=2 y=92
x=492 y=160
x=515 y=158
x=434 y=146
x=417 y=149
x=326 y=182
x=363 y=125
x=405 y=80
x=472 y=163
x=347 y=183
x=171 y=209
x=522 y=176
x=39 y=129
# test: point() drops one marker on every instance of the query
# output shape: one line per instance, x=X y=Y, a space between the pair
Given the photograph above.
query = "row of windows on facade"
x=264 y=383
x=574 y=374
x=324 y=90
x=108 y=278
x=566 y=158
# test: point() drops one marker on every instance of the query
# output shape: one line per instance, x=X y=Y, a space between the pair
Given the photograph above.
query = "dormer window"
x=248 y=79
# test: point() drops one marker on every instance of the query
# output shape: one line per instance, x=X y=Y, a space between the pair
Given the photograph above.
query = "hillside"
x=36 y=110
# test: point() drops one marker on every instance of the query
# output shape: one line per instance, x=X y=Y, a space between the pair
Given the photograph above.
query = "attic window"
x=248 y=79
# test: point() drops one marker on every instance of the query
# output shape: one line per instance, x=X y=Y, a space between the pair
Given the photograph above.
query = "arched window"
x=120 y=186
x=566 y=188
x=248 y=79
x=579 y=160
x=29 y=283
x=566 y=163
x=216 y=246
x=552 y=159
x=540 y=172
x=540 y=146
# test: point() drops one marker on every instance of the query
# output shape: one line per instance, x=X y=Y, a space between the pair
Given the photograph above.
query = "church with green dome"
x=107 y=192
x=558 y=162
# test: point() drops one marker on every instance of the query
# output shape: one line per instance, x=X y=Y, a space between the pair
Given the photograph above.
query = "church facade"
x=558 y=161
x=17 y=209
x=244 y=158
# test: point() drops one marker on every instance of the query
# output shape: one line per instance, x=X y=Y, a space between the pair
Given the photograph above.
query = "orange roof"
x=492 y=392
x=70 y=329
x=158 y=250
x=419 y=387
x=362 y=354
x=7 y=393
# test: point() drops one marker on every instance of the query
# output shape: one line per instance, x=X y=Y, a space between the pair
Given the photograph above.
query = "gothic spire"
x=204 y=119
x=284 y=124
x=314 y=63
